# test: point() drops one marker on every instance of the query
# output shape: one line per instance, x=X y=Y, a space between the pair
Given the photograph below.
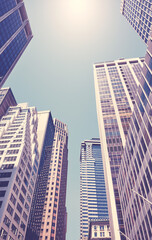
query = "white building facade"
x=19 y=160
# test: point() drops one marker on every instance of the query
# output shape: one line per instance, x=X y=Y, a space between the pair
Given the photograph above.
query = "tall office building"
x=15 y=34
x=116 y=85
x=45 y=140
x=139 y=15
x=48 y=214
x=19 y=160
x=54 y=221
x=7 y=99
x=135 y=174
x=93 y=200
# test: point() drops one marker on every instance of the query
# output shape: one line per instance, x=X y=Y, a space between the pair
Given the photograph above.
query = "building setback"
x=15 y=35
x=135 y=175
x=19 y=160
x=115 y=88
x=7 y=99
x=45 y=140
x=139 y=15
x=93 y=201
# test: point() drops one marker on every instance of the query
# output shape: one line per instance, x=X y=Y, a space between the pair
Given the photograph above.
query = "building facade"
x=15 y=35
x=135 y=175
x=116 y=86
x=45 y=140
x=99 y=230
x=139 y=15
x=48 y=217
x=54 y=221
x=7 y=99
x=93 y=200
x=19 y=162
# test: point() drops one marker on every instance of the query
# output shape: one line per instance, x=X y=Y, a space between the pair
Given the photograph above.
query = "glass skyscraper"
x=93 y=200
x=15 y=34
x=139 y=15
x=116 y=86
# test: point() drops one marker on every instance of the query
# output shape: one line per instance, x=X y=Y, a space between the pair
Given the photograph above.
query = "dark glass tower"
x=15 y=34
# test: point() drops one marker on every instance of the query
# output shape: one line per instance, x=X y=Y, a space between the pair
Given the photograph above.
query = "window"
x=5 y=174
x=13 y=199
x=18 y=180
x=26 y=182
x=7 y=166
x=14 y=229
x=3 y=234
x=23 y=190
x=25 y=216
x=6 y=221
x=19 y=208
x=20 y=236
x=10 y=238
x=10 y=209
x=27 y=207
x=15 y=189
x=2 y=193
x=15 y=151
x=16 y=218
x=21 y=198
x=4 y=183
x=22 y=226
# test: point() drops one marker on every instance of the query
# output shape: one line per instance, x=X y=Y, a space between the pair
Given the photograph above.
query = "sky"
x=56 y=71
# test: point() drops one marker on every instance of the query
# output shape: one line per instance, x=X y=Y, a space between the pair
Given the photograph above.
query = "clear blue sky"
x=55 y=72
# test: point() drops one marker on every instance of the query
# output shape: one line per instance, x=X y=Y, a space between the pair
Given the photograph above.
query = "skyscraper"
x=15 y=34
x=135 y=174
x=48 y=213
x=93 y=201
x=7 y=99
x=116 y=85
x=139 y=15
x=45 y=140
x=19 y=162
x=54 y=222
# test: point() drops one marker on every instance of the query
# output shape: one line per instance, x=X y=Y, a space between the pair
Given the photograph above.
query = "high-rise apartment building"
x=93 y=200
x=7 y=99
x=116 y=86
x=135 y=174
x=139 y=15
x=45 y=139
x=48 y=213
x=15 y=34
x=19 y=160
